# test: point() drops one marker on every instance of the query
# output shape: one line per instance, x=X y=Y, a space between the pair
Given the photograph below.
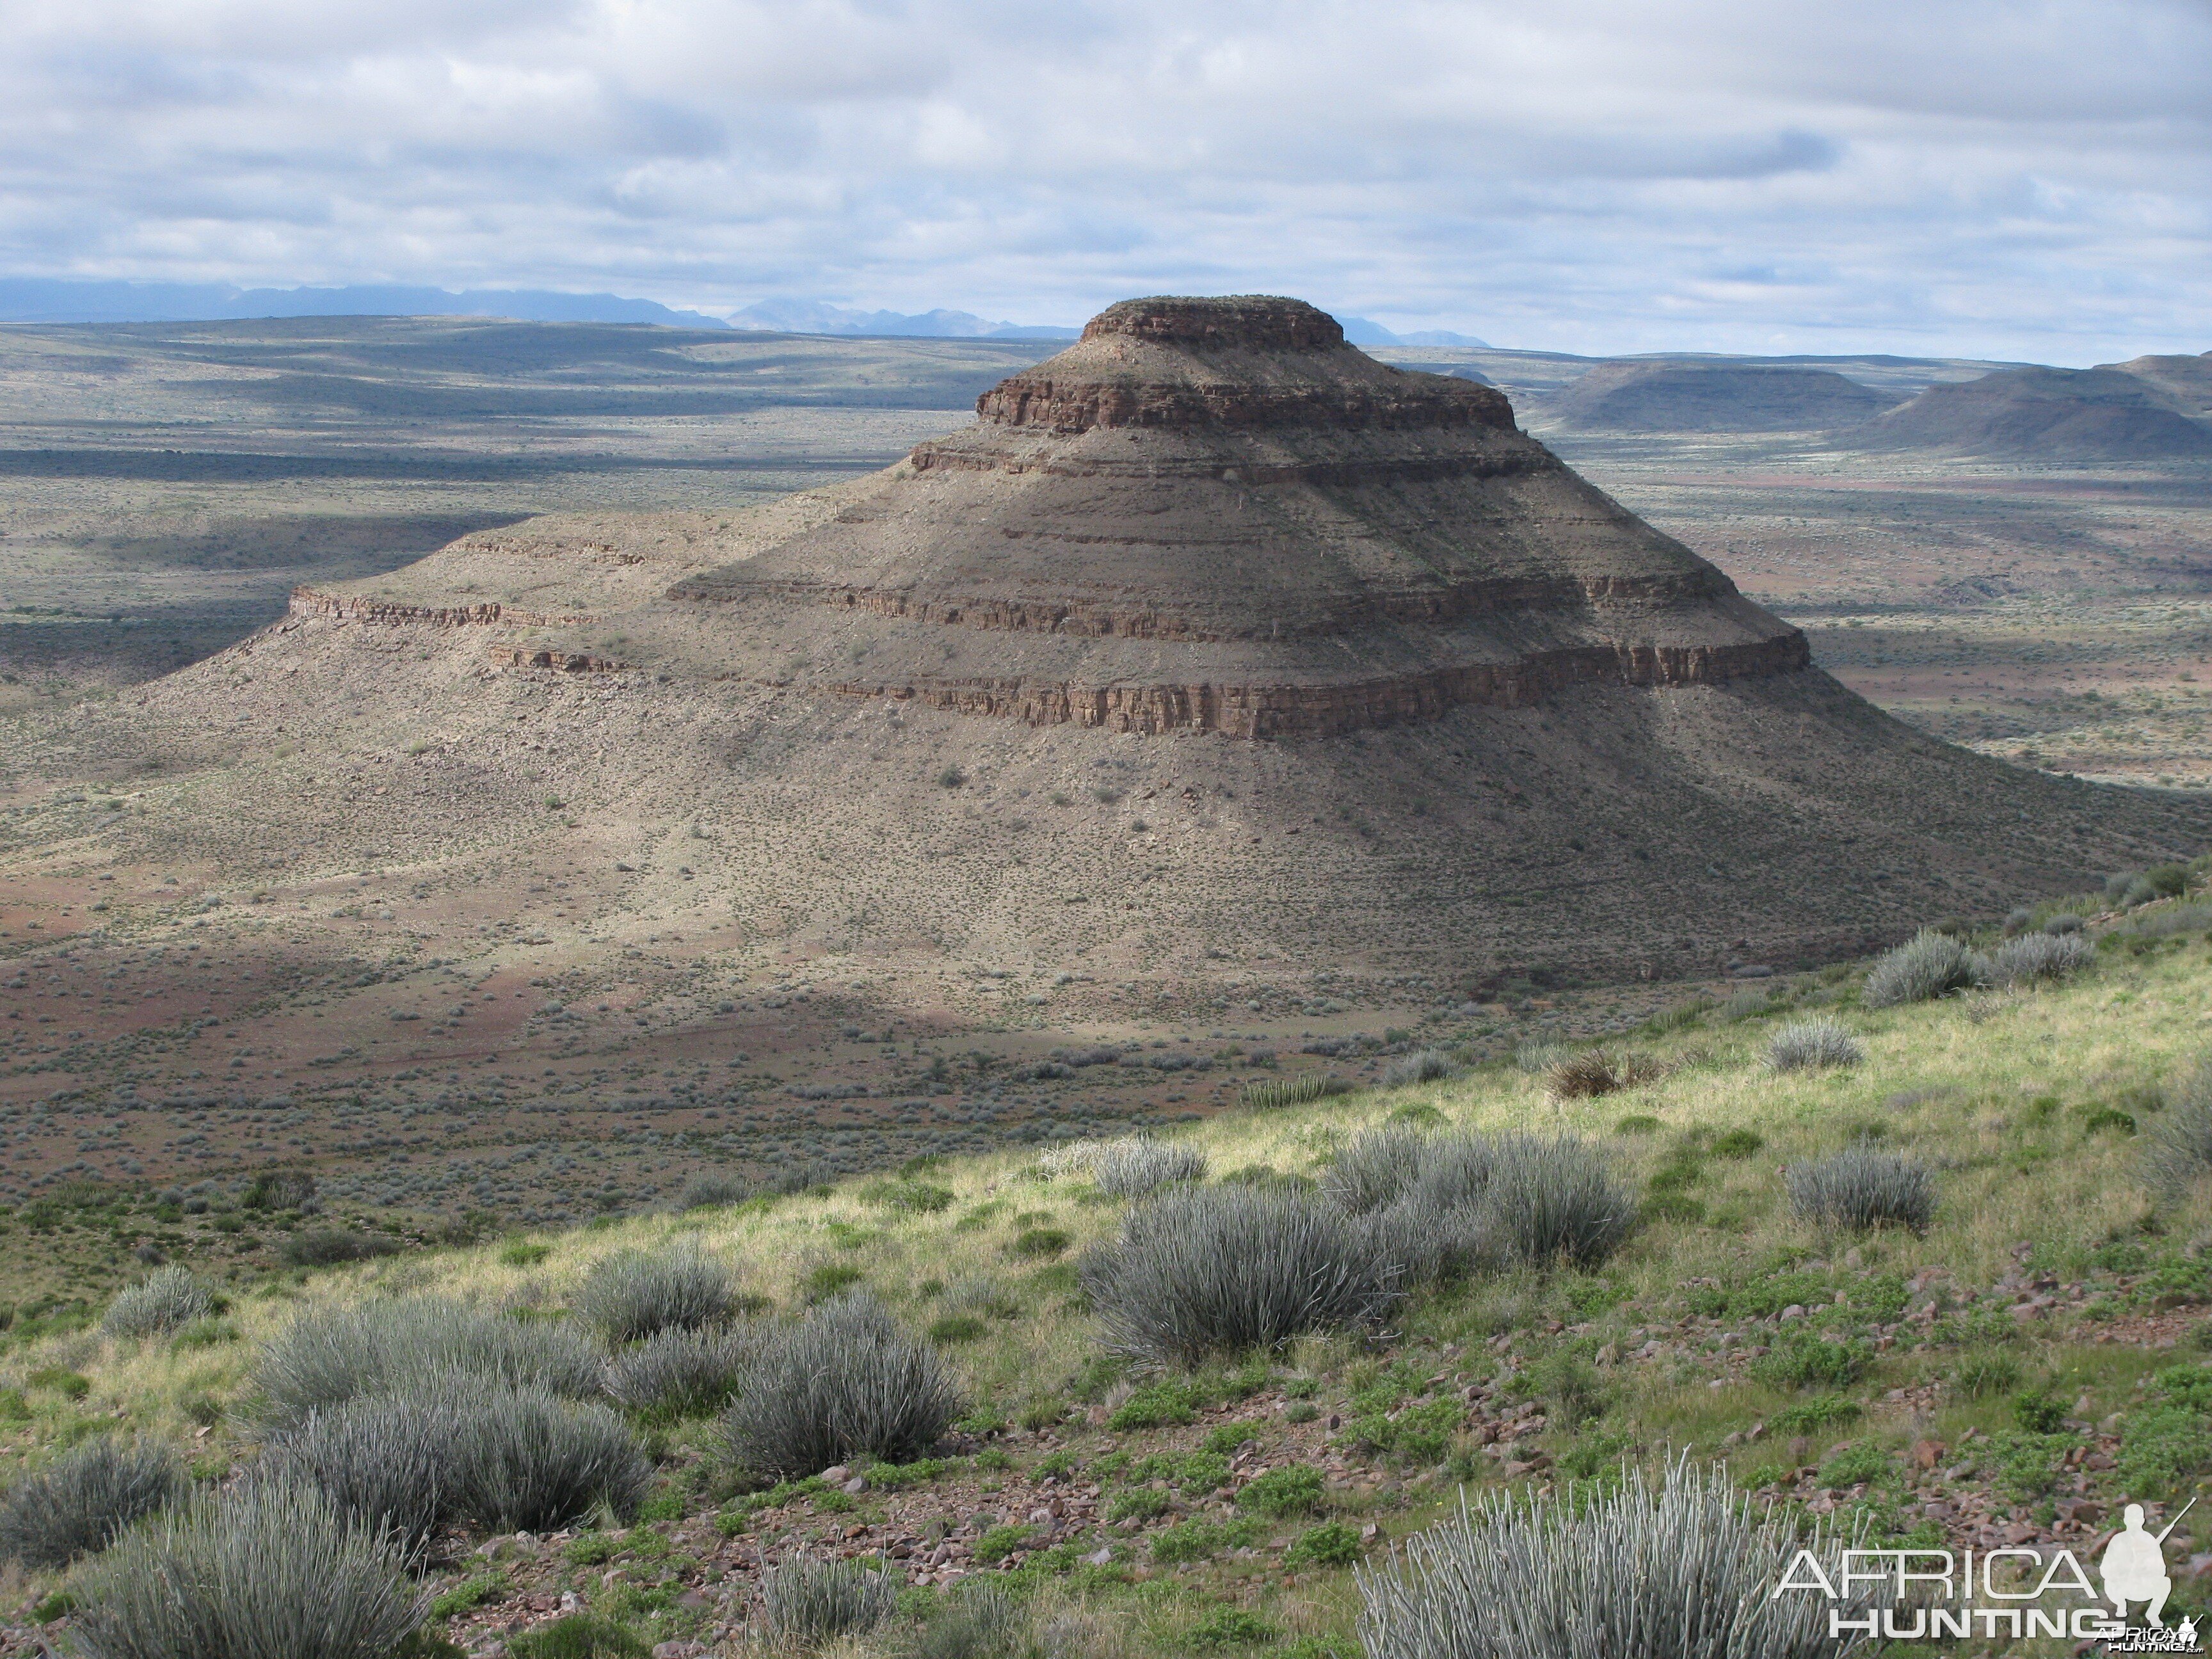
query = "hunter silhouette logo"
x=2135 y=1565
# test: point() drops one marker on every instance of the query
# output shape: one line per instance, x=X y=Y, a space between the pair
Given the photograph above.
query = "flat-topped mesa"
x=1215 y=515
x=1249 y=362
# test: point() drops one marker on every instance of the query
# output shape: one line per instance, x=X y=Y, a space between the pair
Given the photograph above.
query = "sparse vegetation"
x=683 y=1373
x=164 y=1301
x=809 y=1600
x=2040 y=958
x=2177 y=1152
x=1141 y=1165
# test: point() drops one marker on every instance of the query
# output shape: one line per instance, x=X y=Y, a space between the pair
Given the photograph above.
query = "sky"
x=2017 y=180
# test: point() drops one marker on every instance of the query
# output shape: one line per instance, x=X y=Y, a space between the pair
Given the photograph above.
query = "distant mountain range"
x=49 y=299
x=812 y=317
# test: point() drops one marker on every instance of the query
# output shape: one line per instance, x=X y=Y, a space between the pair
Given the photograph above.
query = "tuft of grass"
x=1927 y=965
x=1139 y=1166
x=713 y=1190
x=633 y=1294
x=808 y=1601
x=683 y=1373
x=2040 y=958
x=1274 y=1093
x=1595 y=1072
x=841 y=1381
x=84 y=1500
x=1224 y=1269
x=165 y=1301
x=579 y=1635
x=1813 y=1044
x=1683 y=1568
x=1860 y=1189
x=2177 y=1152
x=384 y=1464
x=1422 y=1066
x=329 y=1246
x=268 y=1568
x=330 y=1355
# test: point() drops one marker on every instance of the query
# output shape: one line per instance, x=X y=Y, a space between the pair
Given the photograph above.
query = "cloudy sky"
x=2017 y=179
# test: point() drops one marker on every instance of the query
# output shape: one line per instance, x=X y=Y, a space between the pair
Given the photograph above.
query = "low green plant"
x=1297 y=1489
x=1331 y=1544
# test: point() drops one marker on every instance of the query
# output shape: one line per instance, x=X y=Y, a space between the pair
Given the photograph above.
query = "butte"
x=1213 y=651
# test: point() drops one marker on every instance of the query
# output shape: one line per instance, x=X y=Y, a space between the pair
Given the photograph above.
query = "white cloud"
x=1965 y=175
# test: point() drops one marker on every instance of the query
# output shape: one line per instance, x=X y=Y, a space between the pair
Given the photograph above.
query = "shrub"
x=1800 y=1359
x=1423 y=1066
x=578 y=1635
x=1928 y=964
x=631 y=1294
x=331 y=1355
x=1593 y=1072
x=1810 y=1044
x=1683 y=1570
x=1140 y=1165
x=977 y=1620
x=1739 y=1143
x=1552 y=1198
x=1230 y=1627
x=2034 y=959
x=1045 y=1241
x=327 y=1247
x=1332 y=1544
x=1375 y=1168
x=84 y=1501
x=713 y=1190
x=164 y=1301
x=524 y=1460
x=807 y=1601
x=1268 y=1094
x=1297 y=1489
x=841 y=1381
x=1993 y=1374
x=680 y=1373
x=266 y=1570
x=1223 y=1269
x=384 y=1463
x=2178 y=1150
x=1861 y=1188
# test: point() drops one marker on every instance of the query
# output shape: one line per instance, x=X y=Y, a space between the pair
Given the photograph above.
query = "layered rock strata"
x=1215 y=515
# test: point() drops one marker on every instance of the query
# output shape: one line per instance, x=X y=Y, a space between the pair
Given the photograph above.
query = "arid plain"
x=565 y=1012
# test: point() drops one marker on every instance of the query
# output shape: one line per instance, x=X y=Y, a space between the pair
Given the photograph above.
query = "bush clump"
x=977 y=1620
x=267 y=1569
x=81 y=1503
x=329 y=1246
x=385 y=1464
x=1683 y=1569
x=680 y=1373
x=1223 y=1269
x=809 y=1600
x=1927 y=965
x=1422 y=1066
x=1813 y=1044
x=165 y=1301
x=2040 y=958
x=1552 y=1199
x=841 y=1381
x=2178 y=1150
x=1595 y=1071
x=1273 y=1093
x=712 y=1190
x=1861 y=1188
x=327 y=1357
x=1140 y=1165
x=631 y=1294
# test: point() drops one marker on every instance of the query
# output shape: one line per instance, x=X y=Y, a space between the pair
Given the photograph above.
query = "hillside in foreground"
x=2008 y=1377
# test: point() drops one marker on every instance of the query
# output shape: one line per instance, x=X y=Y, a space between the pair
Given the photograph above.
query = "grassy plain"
x=2055 y=1288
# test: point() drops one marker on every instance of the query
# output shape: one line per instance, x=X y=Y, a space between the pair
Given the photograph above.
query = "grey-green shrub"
x=2177 y=1151
x=164 y=1301
x=1140 y=1165
x=679 y=1373
x=1375 y=1167
x=633 y=1294
x=809 y=1599
x=330 y=1355
x=713 y=1190
x=2034 y=959
x=525 y=1460
x=1928 y=964
x=1553 y=1197
x=1859 y=1189
x=268 y=1570
x=1682 y=1571
x=842 y=1380
x=977 y=1620
x=82 y=1501
x=1422 y=1066
x=1222 y=1269
x=385 y=1463
x=1814 y=1045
